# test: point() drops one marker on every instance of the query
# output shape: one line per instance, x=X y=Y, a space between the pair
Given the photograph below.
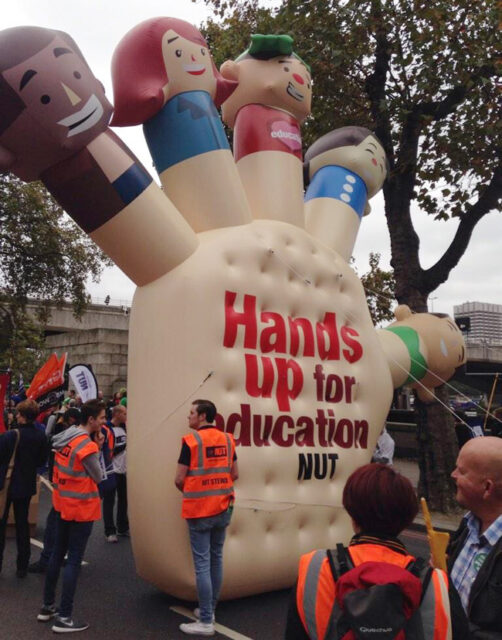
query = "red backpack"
x=376 y=600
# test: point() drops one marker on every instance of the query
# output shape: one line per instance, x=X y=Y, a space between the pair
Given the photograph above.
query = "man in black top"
x=475 y=551
x=31 y=453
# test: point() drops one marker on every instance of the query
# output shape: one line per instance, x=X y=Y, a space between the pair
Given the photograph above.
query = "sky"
x=98 y=26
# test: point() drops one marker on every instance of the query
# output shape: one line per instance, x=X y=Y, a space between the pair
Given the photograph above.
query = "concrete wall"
x=96 y=316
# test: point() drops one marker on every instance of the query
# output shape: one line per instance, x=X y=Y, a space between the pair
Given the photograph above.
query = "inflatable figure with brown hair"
x=260 y=316
x=164 y=78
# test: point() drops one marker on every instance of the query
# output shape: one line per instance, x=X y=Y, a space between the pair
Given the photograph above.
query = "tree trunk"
x=437 y=453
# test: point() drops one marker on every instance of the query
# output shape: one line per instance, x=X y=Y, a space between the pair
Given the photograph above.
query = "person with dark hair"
x=70 y=418
x=207 y=468
x=118 y=488
x=381 y=503
x=31 y=453
x=475 y=551
x=77 y=471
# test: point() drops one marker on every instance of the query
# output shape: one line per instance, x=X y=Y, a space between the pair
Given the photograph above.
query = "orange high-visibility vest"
x=75 y=495
x=316 y=591
x=208 y=488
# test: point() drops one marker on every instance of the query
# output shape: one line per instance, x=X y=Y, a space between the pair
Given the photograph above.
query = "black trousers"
x=120 y=490
x=21 y=506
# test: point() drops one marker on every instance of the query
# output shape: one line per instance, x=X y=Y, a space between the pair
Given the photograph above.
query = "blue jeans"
x=71 y=537
x=207 y=536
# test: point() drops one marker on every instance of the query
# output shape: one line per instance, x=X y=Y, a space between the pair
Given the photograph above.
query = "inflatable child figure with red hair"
x=164 y=78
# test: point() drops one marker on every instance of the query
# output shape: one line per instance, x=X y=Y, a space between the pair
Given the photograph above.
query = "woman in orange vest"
x=381 y=503
x=207 y=468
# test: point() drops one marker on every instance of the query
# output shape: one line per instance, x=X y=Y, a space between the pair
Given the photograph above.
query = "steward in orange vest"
x=208 y=488
x=76 y=495
x=77 y=471
x=377 y=590
x=316 y=590
x=207 y=468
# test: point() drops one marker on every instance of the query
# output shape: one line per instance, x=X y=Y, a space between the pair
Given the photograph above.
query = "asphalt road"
x=120 y=606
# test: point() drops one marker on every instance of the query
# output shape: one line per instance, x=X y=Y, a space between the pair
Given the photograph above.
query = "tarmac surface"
x=119 y=605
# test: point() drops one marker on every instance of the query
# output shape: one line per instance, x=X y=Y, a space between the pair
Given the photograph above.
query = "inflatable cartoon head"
x=443 y=346
x=157 y=60
x=269 y=73
x=354 y=148
x=51 y=105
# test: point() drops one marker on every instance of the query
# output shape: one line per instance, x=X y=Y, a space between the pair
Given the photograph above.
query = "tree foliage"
x=379 y=286
x=45 y=257
x=422 y=75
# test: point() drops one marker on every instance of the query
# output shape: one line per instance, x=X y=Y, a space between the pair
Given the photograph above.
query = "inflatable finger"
x=272 y=98
x=344 y=169
x=164 y=78
x=54 y=127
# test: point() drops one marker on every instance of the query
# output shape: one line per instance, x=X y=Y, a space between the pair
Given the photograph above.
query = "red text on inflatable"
x=269 y=332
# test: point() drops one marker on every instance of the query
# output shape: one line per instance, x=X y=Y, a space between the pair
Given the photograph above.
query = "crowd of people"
x=374 y=586
x=82 y=448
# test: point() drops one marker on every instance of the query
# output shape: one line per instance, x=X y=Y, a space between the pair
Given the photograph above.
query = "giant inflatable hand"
x=260 y=317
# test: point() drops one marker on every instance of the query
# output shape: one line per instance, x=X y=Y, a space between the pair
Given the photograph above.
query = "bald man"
x=475 y=551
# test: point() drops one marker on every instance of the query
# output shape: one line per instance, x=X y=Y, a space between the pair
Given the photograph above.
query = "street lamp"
x=432 y=298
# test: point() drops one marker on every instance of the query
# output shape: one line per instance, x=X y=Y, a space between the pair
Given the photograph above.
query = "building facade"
x=485 y=321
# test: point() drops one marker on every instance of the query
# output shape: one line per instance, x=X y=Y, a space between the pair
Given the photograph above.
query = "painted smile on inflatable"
x=84 y=119
x=294 y=93
x=245 y=292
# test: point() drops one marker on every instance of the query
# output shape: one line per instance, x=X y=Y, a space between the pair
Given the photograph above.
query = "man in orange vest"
x=207 y=468
x=77 y=470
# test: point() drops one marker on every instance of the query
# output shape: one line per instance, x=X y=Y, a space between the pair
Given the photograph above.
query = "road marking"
x=46 y=483
x=37 y=543
x=225 y=631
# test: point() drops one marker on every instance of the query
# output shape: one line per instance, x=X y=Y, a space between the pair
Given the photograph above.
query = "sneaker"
x=112 y=538
x=124 y=534
x=196 y=613
x=67 y=625
x=47 y=612
x=197 y=628
x=37 y=567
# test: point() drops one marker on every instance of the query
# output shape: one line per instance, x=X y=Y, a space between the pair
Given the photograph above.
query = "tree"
x=379 y=286
x=421 y=74
x=45 y=257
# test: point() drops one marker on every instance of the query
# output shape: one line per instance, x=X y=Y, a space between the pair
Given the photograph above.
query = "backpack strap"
x=344 y=559
x=423 y=571
x=339 y=561
x=332 y=563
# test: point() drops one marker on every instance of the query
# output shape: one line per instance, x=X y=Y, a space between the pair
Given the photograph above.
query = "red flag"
x=49 y=376
x=4 y=385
